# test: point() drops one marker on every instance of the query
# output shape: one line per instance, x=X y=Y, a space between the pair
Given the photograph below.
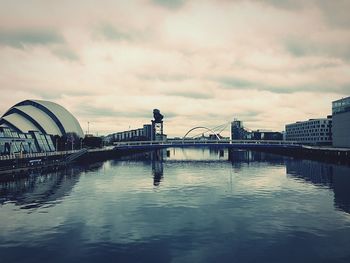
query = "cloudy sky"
x=201 y=62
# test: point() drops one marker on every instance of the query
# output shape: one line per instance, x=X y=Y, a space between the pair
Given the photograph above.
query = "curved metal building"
x=43 y=116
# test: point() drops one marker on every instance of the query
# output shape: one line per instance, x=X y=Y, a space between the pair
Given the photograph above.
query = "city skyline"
x=110 y=63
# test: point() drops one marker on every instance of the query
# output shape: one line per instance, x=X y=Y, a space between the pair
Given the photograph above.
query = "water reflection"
x=157 y=166
x=179 y=205
x=41 y=187
x=194 y=154
x=341 y=187
x=239 y=157
x=38 y=189
x=334 y=177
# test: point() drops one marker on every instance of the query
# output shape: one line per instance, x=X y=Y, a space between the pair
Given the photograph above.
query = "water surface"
x=180 y=205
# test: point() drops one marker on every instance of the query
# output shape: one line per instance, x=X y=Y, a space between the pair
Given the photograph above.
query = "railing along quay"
x=35 y=155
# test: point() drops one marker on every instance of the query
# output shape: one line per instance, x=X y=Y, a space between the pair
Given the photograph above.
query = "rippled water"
x=179 y=206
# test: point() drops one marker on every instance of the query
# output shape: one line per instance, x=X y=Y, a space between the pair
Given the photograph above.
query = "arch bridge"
x=201 y=127
x=191 y=142
x=239 y=144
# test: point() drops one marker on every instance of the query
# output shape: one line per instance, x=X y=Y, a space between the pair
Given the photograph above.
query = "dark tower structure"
x=237 y=130
x=157 y=126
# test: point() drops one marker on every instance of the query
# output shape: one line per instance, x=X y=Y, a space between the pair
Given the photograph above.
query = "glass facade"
x=12 y=142
x=342 y=105
x=50 y=142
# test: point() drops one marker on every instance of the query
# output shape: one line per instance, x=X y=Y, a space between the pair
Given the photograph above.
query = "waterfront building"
x=312 y=132
x=37 y=126
x=238 y=132
x=149 y=132
x=266 y=135
x=130 y=135
x=13 y=142
x=140 y=134
x=341 y=122
x=44 y=116
x=341 y=105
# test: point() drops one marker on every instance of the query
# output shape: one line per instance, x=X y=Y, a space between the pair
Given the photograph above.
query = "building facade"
x=30 y=126
x=342 y=105
x=266 y=135
x=312 y=132
x=44 y=116
x=149 y=132
x=141 y=134
x=341 y=122
x=238 y=132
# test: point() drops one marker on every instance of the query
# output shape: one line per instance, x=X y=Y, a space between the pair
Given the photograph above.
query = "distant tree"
x=67 y=142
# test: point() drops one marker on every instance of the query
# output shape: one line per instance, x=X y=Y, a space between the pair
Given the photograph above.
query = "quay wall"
x=333 y=155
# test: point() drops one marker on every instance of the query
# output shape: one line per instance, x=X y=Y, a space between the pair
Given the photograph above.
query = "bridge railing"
x=209 y=142
x=149 y=143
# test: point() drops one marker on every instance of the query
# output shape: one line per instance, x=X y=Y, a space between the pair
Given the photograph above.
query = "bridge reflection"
x=334 y=177
x=43 y=188
x=239 y=157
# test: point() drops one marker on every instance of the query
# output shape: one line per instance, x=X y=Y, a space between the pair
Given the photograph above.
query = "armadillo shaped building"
x=44 y=116
x=29 y=126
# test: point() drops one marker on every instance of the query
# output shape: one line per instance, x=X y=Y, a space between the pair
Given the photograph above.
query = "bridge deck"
x=244 y=144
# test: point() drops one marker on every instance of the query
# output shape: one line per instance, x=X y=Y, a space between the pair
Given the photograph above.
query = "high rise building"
x=341 y=122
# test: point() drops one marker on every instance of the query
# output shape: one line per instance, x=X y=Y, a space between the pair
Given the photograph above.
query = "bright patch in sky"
x=201 y=62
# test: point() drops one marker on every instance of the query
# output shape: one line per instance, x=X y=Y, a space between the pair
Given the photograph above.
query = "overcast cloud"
x=201 y=62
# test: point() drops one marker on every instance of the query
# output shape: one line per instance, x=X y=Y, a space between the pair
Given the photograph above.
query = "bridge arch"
x=201 y=127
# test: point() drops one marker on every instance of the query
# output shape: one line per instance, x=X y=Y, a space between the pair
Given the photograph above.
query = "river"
x=179 y=205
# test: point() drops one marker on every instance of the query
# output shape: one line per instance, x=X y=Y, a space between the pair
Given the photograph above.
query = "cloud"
x=200 y=62
x=172 y=4
x=236 y=83
x=25 y=38
x=89 y=110
x=189 y=94
x=292 y=5
x=93 y=110
x=164 y=77
x=335 y=12
x=109 y=32
x=65 y=53
x=328 y=48
x=20 y=38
